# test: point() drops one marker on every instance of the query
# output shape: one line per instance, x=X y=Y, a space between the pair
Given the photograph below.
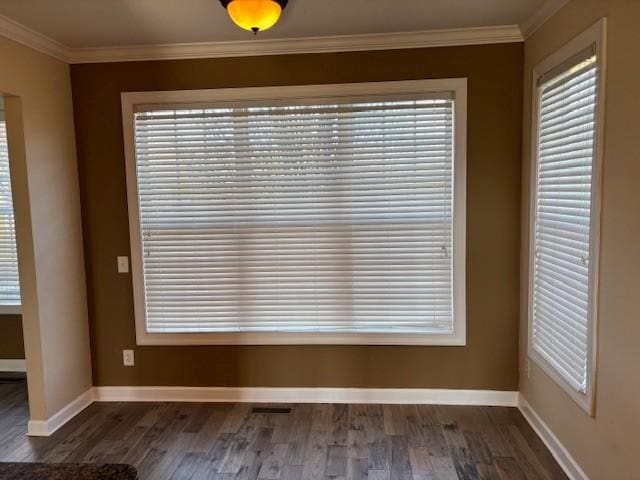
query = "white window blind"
x=9 y=281
x=294 y=217
x=563 y=218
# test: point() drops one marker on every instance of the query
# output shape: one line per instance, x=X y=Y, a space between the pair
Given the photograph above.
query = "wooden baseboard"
x=44 y=428
x=13 y=365
x=307 y=395
x=557 y=449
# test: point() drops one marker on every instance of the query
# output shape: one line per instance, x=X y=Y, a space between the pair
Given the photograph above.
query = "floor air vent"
x=271 y=410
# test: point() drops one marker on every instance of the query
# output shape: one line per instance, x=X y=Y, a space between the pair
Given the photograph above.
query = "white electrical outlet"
x=128 y=359
x=123 y=264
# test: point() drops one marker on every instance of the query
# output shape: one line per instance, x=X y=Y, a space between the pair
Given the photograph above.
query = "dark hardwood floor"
x=324 y=441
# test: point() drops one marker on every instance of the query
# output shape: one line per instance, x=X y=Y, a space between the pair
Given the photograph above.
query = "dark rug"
x=66 y=471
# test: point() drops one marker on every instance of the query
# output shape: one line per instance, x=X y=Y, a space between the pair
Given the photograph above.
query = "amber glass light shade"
x=254 y=15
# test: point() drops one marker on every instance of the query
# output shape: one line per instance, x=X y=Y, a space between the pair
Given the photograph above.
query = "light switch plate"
x=123 y=264
x=128 y=359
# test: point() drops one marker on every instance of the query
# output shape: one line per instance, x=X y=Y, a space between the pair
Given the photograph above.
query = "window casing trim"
x=10 y=309
x=594 y=36
x=137 y=101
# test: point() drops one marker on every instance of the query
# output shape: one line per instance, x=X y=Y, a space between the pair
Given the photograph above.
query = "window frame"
x=384 y=90
x=594 y=36
x=7 y=309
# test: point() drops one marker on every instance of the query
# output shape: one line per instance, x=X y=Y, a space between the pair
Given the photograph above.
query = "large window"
x=299 y=215
x=9 y=280
x=565 y=214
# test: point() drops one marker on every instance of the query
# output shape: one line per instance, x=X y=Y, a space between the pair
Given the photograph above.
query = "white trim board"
x=44 y=428
x=540 y=17
x=559 y=452
x=10 y=309
x=307 y=395
x=24 y=35
x=287 y=46
x=13 y=365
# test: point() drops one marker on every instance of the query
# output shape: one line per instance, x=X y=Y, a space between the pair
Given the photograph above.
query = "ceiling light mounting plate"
x=282 y=3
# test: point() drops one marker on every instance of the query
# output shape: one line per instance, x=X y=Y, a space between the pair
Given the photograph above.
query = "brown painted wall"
x=490 y=359
x=606 y=445
x=11 y=341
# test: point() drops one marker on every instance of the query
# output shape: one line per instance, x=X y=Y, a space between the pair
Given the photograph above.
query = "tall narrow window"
x=9 y=281
x=323 y=220
x=564 y=228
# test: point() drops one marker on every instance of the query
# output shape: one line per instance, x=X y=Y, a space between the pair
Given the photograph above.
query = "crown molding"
x=540 y=16
x=341 y=43
x=37 y=41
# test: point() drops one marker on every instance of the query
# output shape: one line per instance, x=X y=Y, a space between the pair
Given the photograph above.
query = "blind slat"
x=307 y=218
x=563 y=221
x=9 y=280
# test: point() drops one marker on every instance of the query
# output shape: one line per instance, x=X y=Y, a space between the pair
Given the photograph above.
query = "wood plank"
x=336 y=461
x=357 y=434
x=400 y=464
x=198 y=441
x=420 y=461
x=315 y=455
x=274 y=464
x=444 y=468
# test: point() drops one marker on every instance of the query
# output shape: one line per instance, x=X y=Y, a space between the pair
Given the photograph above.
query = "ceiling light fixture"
x=254 y=15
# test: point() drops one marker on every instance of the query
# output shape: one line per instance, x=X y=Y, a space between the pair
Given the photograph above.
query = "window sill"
x=434 y=339
x=10 y=310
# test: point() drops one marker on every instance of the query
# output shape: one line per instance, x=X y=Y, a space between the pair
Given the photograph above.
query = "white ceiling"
x=101 y=23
